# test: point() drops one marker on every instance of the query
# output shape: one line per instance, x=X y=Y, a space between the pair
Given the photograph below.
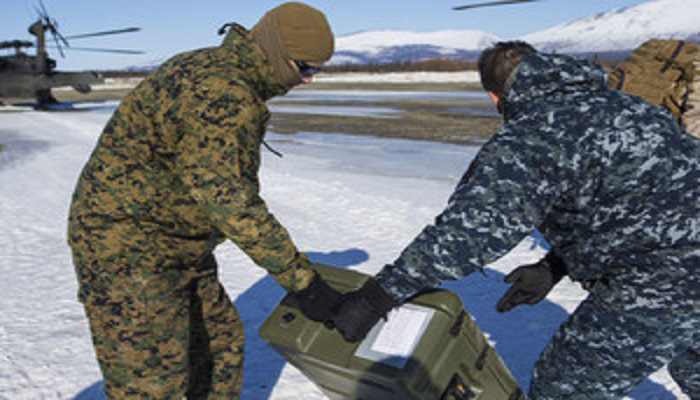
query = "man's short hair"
x=498 y=61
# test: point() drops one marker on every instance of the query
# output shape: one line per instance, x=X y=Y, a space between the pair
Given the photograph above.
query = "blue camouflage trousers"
x=603 y=352
x=166 y=333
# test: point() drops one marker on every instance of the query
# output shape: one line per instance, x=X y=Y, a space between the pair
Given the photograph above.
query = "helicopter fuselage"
x=24 y=76
x=21 y=77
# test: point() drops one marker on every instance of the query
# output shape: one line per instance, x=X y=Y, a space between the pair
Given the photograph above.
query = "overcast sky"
x=169 y=27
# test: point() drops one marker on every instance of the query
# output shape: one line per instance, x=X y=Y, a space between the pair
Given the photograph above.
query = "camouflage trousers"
x=168 y=334
x=601 y=352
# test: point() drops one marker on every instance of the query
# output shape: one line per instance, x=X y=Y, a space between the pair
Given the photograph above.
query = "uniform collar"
x=257 y=69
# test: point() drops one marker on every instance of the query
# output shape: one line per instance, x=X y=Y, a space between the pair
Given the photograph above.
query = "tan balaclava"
x=293 y=31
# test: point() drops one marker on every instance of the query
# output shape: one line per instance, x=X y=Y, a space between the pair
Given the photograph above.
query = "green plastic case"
x=429 y=348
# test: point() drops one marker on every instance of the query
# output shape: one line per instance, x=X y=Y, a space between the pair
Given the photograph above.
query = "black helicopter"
x=33 y=76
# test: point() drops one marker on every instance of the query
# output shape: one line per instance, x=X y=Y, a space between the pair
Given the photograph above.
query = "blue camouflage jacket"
x=610 y=180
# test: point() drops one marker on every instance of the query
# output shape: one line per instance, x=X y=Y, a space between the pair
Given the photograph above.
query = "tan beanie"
x=293 y=31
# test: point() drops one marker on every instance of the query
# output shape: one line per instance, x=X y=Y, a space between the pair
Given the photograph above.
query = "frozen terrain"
x=353 y=202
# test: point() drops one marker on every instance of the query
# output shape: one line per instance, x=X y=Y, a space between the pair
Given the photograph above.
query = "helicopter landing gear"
x=44 y=98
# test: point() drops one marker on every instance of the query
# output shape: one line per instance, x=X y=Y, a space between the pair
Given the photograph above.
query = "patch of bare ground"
x=458 y=121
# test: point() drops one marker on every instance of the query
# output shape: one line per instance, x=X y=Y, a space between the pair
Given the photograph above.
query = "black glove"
x=532 y=282
x=360 y=310
x=317 y=300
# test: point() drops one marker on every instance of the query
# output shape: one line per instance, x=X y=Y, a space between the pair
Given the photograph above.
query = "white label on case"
x=400 y=332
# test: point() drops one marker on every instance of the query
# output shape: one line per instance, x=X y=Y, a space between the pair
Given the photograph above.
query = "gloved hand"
x=360 y=310
x=317 y=300
x=532 y=282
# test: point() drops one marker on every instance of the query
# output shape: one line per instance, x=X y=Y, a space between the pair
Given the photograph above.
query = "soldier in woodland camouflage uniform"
x=173 y=174
x=613 y=183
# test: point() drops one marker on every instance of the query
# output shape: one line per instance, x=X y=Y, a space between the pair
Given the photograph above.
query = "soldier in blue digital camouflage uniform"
x=613 y=183
x=173 y=174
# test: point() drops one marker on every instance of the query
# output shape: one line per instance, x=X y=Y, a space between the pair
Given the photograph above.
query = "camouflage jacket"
x=174 y=172
x=610 y=180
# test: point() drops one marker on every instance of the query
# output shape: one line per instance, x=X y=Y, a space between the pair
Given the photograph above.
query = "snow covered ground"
x=340 y=77
x=353 y=202
x=401 y=77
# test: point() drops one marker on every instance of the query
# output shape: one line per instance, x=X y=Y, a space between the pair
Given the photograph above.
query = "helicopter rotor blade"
x=41 y=10
x=52 y=26
x=63 y=39
x=120 y=51
x=58 y=39
x=38 y=11
x=58 y=43
x=492 y=3
x=113 y=32
x=61 y=42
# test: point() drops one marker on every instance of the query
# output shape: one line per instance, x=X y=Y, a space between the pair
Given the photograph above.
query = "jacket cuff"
x=297 y=275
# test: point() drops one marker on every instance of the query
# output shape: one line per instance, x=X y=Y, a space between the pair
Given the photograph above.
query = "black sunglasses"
x=306 y=69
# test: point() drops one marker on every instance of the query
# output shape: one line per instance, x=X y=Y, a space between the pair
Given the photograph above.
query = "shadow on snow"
x=518 y=335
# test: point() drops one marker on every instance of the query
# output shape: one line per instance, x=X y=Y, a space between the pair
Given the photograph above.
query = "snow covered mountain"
x=613 y=33
x=623 y=29
x=391 y=46
x=610 y=34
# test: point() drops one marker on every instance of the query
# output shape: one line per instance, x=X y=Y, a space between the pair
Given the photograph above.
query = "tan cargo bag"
x=664 y=72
